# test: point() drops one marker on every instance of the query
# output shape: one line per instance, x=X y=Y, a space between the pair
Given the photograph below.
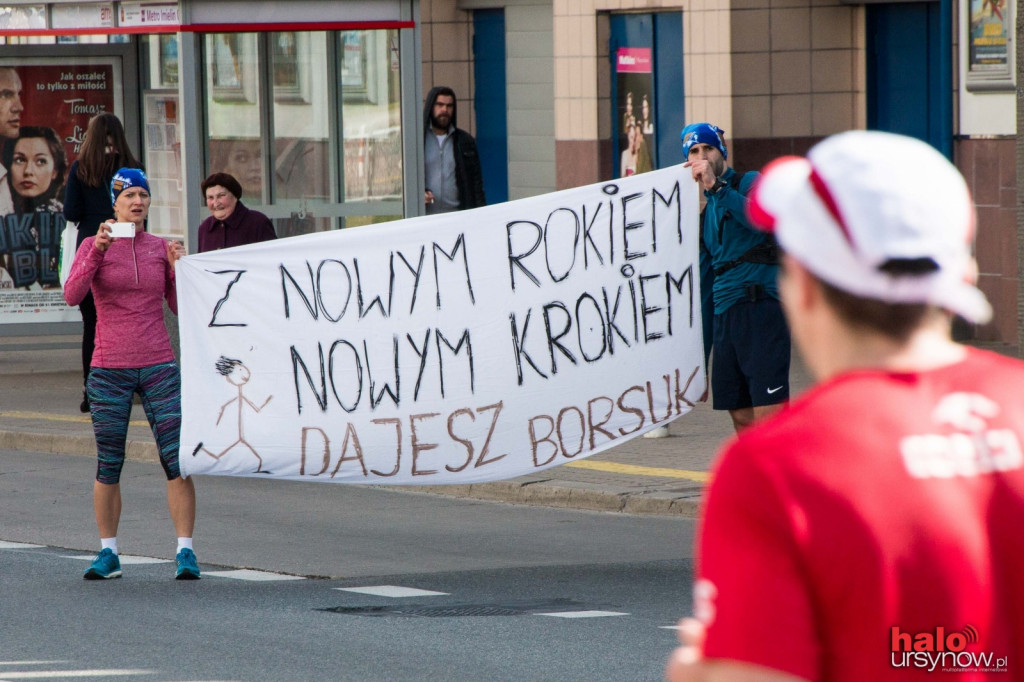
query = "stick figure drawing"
x=237 y=374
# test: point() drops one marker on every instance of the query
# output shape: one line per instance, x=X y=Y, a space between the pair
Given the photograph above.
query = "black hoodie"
x=468 y=176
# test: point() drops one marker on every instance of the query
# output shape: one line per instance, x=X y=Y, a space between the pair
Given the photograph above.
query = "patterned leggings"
x=110 y=396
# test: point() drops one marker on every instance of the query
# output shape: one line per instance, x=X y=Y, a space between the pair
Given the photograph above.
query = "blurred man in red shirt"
x=872 y=530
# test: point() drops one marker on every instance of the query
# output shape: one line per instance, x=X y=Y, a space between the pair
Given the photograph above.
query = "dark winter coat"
x=468 y=175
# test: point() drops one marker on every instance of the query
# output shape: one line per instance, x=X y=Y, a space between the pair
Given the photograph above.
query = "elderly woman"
x=231 y=223
x=129 y=279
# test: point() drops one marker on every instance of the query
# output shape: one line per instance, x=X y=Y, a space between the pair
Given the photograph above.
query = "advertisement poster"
x=989 y=42
x=42 y=123
x=635 y=82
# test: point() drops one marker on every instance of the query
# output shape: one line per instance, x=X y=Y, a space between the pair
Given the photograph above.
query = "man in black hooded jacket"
x=454 y=180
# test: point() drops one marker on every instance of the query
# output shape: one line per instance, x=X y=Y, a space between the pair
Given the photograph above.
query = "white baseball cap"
x=878 y=215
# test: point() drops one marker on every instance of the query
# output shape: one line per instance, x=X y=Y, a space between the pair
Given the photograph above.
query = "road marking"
x=125 y=559
x=84 y=419
x=607 y=467
x=248 y=574
x=31 y=662
x=636 y=470
x=669 y=627
x=53 y=674
x=393 y=591
x=582 y=614
x=18 y=545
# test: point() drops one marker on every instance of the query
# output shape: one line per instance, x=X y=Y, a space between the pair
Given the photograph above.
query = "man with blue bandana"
x=748 y=333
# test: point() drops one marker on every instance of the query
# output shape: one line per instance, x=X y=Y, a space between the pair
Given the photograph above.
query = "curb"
x=569 y=495
x=561 y=495
x=59 y=444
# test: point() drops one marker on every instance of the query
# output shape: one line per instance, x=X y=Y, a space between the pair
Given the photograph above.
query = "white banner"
x=456 y=348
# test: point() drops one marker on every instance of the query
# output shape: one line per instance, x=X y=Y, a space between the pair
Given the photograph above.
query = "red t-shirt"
x=876 y=501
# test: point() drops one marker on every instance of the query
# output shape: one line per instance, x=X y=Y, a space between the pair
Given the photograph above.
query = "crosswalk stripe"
x=248 y=574
x=125 y=559
x=53 y=674
x=582 y=614
x=394 y=591
x=18 y=545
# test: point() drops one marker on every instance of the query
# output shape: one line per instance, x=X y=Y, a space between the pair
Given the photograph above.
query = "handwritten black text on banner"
x=460 y=348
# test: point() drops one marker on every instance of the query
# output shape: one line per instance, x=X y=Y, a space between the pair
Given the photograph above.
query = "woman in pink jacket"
x=129 y=278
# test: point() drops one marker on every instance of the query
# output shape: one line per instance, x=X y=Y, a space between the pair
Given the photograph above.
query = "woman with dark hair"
x=36 y=179
x=87 y=202
x=646 y=124
x=38 y=165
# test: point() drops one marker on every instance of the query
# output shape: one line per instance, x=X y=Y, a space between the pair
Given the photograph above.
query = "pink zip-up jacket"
x=129 y=282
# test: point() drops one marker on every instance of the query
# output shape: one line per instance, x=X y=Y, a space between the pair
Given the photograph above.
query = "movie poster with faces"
x=45 y=107
x=635 y=83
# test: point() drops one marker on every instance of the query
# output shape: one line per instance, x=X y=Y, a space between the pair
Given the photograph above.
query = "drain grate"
x=452 y=611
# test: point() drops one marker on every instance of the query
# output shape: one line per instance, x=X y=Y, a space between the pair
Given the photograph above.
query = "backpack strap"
x=765 y=253
x=734 y=182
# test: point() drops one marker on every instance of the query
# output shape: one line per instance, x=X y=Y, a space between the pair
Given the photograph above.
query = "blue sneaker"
x=188 y=569
x=106 y=565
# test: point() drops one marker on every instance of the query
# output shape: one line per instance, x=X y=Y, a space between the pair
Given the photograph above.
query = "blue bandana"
x=703 y=133
x=125 y=178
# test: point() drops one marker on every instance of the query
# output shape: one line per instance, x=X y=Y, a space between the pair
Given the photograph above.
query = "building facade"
x=777 y=75
x=316 y=106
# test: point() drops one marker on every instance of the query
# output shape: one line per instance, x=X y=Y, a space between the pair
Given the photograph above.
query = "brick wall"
x=989 y=166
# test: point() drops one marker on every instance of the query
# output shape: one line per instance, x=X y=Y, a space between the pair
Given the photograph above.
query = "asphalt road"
x=513 y=593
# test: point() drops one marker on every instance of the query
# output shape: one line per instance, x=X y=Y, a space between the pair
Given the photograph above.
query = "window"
x=371 y=114
x=301 y=128
x=309 y=122
x=235 y=144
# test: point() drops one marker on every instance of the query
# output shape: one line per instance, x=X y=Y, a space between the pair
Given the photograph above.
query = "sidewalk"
x=40 y=391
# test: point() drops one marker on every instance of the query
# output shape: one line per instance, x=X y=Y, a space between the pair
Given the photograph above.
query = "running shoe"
x=660 y=432
x=188 y=568
x=106 y=565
